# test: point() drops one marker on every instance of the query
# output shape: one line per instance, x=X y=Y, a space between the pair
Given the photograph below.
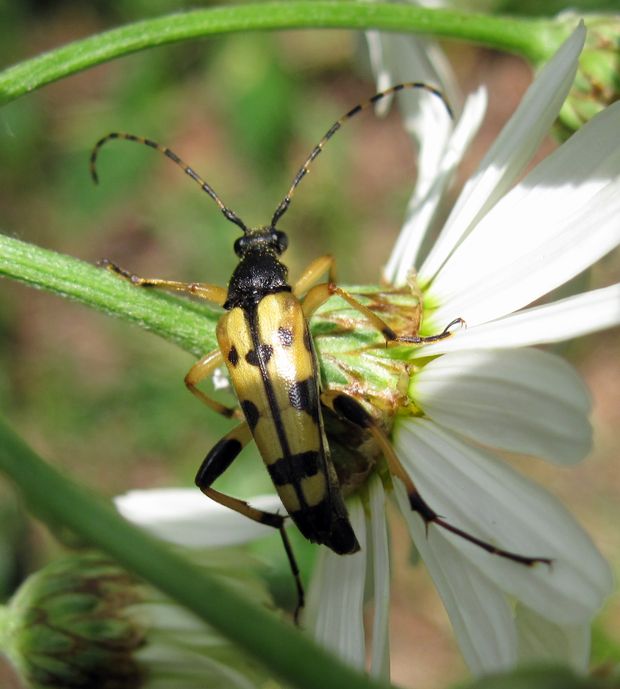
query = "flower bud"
x=597 y=83
x=82 y=621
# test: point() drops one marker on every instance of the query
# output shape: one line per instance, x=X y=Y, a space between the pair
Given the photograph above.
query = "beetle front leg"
x=213 y=293
x=319 y=294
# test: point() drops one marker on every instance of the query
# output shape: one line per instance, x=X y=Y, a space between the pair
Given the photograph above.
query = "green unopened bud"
x=82 y=621
x=597 y=83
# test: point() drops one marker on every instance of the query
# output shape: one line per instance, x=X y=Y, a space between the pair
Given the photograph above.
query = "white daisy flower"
x=501 y=249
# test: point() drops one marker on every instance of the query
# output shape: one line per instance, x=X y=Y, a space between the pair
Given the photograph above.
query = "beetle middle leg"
x=350 y=409
x=201 y=370
x=220 y=457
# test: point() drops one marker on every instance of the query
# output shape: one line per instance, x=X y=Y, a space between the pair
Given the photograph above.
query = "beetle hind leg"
x=220 y=457
x=351 y=410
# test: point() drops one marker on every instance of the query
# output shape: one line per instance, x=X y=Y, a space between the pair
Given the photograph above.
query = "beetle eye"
x=280 y=241
x=240 y=246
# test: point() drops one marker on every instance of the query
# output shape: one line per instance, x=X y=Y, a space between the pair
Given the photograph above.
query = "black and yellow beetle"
x=265 y=342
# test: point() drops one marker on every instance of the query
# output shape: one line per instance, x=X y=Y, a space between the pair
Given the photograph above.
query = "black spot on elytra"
x=251 y=412
x=263 y=353
x=323 y=524
x=286 y=336
x=233 y=356
x=303 y=396
x=293 y=468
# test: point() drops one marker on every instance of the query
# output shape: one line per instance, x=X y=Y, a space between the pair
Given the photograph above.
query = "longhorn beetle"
x=265 y=342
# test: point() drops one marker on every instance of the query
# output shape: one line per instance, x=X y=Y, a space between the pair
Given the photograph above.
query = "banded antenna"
x=228 y=213
x=303 y=170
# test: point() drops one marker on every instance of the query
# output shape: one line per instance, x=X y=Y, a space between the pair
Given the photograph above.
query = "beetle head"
x=262 y=240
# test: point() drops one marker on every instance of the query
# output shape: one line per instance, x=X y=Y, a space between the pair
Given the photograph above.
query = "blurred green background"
x=105 y=401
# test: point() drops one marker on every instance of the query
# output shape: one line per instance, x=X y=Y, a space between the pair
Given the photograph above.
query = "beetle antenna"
x=303 y=170
x=228 y=213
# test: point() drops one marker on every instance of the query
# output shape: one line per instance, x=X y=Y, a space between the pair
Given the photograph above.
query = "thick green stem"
x=285 y=650
x=534 y=39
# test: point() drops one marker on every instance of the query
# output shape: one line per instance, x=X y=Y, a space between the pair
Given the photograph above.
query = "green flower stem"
x=284 y=650
x=534 y=39
x=187 y=323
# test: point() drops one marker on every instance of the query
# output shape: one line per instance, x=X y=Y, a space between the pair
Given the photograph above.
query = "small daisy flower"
x=83 y=622
x=503 y=247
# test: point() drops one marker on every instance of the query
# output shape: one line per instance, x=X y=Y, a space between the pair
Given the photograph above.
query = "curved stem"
x=534 y=39
x=189 y=324
x=282 y=648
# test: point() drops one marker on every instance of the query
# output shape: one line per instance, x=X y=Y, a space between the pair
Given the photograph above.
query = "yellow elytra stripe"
x=289 y=497
x=314 y=489
x=235 y=341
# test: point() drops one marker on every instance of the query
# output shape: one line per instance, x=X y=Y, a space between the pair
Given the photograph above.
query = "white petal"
x=477 y=492
x=425 y=116
x=191 y=669
x=429 y=192
x=524 y=401
x=542 y=641
x=334 y=611
x=395 y=58
x=511 y=151
x=381 y=68
x=558 y=221
x=562 y=320
x=380 y=656
x=186 y=517
x=399 y=58
x=481 y=617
